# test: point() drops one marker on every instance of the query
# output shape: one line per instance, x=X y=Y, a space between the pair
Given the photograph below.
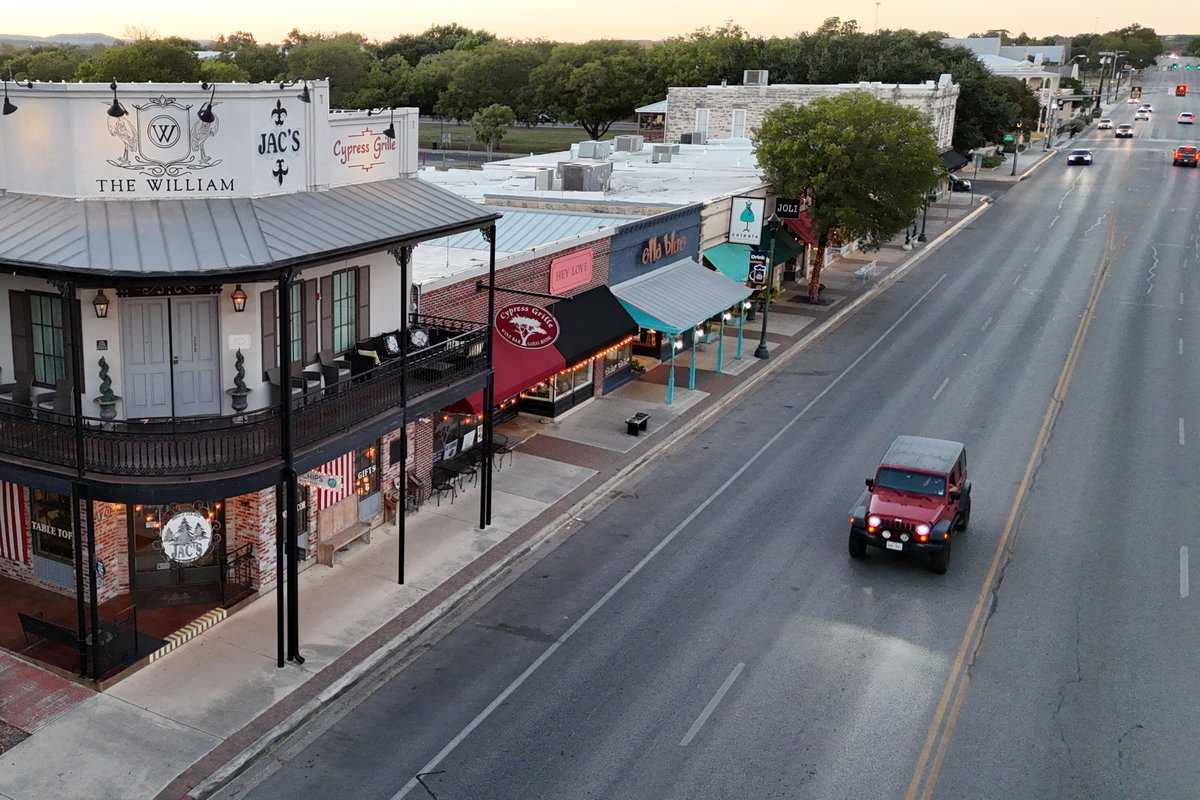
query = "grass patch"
x=517 y=139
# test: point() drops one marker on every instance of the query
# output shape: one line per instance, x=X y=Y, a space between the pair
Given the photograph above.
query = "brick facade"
x=937 y=102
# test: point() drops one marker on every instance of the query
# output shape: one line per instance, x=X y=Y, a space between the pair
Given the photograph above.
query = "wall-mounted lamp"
x=304 y=96
x=100 y=303
x=116 y=109
x=679 y=344
x=9 y=106
x=205 y=114
x=239 y=299
x=390 y=130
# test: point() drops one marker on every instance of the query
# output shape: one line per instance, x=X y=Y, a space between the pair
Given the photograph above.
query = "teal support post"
x=671 y=375
x=692 y=371
x=721 y=344
x=741 y=329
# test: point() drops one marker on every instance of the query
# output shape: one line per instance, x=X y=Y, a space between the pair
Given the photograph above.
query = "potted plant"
x=240 y=391
x=106 y=400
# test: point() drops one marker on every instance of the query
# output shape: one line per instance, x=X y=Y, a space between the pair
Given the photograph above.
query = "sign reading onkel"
x=527 y=326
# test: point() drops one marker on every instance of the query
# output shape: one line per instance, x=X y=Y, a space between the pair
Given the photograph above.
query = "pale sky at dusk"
x=573 y=20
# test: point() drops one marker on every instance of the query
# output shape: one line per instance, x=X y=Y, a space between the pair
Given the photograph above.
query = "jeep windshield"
x=912 y=482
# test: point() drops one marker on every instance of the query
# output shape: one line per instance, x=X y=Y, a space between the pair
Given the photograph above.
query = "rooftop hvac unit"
x=660 y=153
x=602 y=150
x=586 y=177
x=587 y=149
x=685 y=138
x=629 y=143
x=572 y=177
x=674 y=148
x=543 y=180
x=754 y=77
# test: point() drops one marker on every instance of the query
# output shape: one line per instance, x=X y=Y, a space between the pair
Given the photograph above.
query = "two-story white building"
x=164 y=249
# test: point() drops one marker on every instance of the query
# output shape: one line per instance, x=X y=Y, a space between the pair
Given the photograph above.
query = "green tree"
x=261 y=62
x=437 y=39
x=53 y=64
x=497 y=72
x=489 y=124
x=705 y=57
x=432 y=77
x=594 y=84
x=866 y=165
x=1193 y=48
x=220 y=70
x=170 y=60
x=342 y=59
x=388 y=85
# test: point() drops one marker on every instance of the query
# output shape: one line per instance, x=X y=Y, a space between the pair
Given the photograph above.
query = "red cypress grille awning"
x=516 y=369
x=803 y=228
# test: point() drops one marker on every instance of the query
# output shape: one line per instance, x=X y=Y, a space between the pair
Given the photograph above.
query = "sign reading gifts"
x=570 y=271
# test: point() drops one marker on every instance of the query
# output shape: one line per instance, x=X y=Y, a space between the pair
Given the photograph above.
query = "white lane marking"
x=1181 y=298
x=1056 y=217
x=1152 y=273
x=1016 y=279
x=1096 y=224
x=941 y=388
x=1181 y=345
x=1183 y=571
x=1182 y=438
x=987 y=324
x=658 y=548
x=711 y=707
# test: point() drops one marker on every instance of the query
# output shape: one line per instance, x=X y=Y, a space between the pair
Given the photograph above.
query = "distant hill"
x=78 y=39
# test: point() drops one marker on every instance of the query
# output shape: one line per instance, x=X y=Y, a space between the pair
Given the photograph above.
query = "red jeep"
x=918 y=498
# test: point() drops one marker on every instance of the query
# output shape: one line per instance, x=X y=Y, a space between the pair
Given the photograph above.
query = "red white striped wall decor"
x=13 y=527
x=343 y=467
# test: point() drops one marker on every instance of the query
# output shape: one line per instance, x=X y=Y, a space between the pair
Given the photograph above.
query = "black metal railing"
x=168 y=447
x=116 y=646
x=239 y=575
x=438 y=322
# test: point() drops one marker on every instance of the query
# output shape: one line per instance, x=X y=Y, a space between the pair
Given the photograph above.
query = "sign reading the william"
x=162 y=140
x=527 y=326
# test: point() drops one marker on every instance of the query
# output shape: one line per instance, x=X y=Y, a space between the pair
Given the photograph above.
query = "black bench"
x=40 y=629
x=636 y=423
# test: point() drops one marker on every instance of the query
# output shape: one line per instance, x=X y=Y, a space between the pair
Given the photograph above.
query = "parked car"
x=1186 y=118
x=918 y=499
x=1185 y=156
x=958 y=184
x=1124 y=131
x=1105 y=124
x=1080 y=157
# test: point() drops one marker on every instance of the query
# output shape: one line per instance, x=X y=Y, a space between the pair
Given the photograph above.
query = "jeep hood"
x=890 y=504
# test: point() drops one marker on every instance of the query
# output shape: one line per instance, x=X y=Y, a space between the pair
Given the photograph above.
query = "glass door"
x=178 y=552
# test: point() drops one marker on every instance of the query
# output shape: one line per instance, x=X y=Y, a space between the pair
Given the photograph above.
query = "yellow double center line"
x=942 y=725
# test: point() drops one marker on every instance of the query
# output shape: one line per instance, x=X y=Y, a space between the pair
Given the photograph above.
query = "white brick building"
x=732 y=112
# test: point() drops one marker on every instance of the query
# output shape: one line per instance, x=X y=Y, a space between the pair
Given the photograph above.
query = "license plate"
x=894 y=545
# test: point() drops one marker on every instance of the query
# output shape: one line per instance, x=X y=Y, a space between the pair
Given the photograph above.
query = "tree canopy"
x=593 y=84
x=865 y=164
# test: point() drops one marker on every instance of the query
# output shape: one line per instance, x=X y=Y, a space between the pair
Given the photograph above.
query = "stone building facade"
x=725 y=112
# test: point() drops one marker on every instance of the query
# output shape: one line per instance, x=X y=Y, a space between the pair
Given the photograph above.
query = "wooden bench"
x=331 y=544
x=637 y=423
x=39 y=629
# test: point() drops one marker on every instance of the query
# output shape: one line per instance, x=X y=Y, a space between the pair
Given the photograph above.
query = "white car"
x=1083 y=157
x=1105 y=125
x=1131 y=100
x=1141 y=115
x=1186 y=118
x=1149 y=109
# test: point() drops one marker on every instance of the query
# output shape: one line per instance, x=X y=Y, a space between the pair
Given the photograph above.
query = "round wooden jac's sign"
x=527 y=326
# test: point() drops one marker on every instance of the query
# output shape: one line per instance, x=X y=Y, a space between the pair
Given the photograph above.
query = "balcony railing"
x=195 y=445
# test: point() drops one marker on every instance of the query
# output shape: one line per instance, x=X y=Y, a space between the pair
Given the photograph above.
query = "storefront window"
x=184 y=544
x=542 y=391
x=50 y=523
x=617 y=360
x=366 y=470
x=562 y=383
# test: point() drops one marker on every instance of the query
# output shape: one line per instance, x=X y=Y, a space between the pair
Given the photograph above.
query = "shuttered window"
x=345 y=309
x=49 y=349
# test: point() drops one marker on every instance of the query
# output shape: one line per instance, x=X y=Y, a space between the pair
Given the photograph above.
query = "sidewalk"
x=1027 y=163
x=219 y=698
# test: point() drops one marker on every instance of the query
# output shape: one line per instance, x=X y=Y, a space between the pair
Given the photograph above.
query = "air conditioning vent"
x=660 y=153
x=629 y=143
x=587 y=149
x=543 y=180
x=754 y=77
x=586 y=177
x=685 y=138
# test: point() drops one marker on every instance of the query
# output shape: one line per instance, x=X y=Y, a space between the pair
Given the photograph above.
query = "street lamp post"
x=769 y=229
x=1016 y=147
x=925 y=215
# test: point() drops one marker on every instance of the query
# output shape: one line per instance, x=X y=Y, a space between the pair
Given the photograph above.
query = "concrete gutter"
x=562 y=526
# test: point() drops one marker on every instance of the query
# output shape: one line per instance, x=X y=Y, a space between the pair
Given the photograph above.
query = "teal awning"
x=733 y=260
x=678 y=296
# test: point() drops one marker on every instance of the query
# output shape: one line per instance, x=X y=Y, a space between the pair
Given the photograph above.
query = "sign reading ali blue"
x=647 y=244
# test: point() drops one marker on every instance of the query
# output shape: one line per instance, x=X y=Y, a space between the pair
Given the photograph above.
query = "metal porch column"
x=291 y=495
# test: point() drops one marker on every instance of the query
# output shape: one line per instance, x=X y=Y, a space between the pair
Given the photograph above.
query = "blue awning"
x=733 y=260
x=679 y=296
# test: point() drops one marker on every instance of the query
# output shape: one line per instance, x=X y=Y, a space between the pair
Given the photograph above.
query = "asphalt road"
x=707 y=636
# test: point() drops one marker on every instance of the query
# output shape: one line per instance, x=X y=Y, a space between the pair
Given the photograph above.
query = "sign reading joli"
x=527 y=326
x=660 y=247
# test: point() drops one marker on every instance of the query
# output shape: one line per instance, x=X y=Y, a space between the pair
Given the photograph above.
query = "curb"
x=234 y=767
x=1053 y=151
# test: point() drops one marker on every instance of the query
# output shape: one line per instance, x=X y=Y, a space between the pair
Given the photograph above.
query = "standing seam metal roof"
x=225 y=236
x=673 y=298
x=521 y=230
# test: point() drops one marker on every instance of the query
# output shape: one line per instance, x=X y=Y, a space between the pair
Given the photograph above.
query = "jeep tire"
x=964 y=519
x=939 y=561
x=858 y=545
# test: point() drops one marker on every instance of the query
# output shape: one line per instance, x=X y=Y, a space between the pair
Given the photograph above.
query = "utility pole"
x=877 y=4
